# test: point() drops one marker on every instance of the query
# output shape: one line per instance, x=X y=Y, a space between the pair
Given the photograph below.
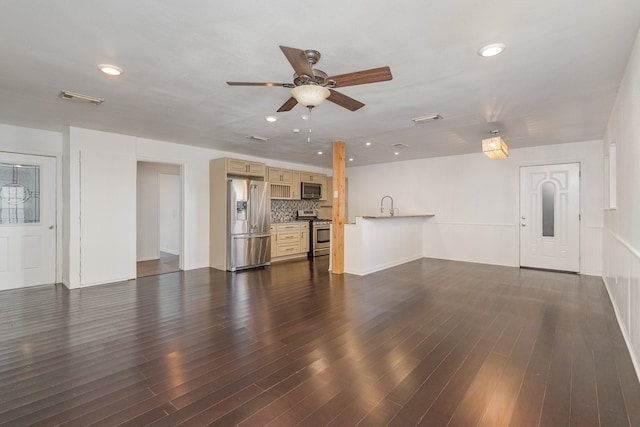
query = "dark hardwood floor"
x=432 y=342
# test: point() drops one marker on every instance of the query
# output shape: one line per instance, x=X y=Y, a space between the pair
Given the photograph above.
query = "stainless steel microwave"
x=310 y=190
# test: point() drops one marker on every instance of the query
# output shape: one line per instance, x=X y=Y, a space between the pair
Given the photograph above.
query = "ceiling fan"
x=311 y=86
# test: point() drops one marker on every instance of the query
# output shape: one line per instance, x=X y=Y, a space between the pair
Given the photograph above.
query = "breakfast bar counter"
x=375 y=243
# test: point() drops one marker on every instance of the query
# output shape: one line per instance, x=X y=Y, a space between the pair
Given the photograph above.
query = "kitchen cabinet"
x=312 y=177
x=281 y=183
x=295 y=185
x=280 y=176
x=304 y=237
x=290 y=240
x=324 y=194
x=245 y=168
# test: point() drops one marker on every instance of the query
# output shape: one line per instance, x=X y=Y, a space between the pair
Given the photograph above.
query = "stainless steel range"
x=319 y=232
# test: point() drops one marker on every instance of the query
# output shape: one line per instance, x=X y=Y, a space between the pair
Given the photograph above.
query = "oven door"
x=321 y=240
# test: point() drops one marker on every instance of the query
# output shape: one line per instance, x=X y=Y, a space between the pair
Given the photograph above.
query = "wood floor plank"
x=431 y=341
x=450 y=397
x=611 y=404
x=584 y=398
x=474 y=403
x=528 y=406
x=556 y=408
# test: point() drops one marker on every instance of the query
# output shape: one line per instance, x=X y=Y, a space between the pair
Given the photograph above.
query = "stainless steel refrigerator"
x=248 y=224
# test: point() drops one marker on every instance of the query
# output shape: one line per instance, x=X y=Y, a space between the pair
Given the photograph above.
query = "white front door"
x=27 y=220
x=550 y=217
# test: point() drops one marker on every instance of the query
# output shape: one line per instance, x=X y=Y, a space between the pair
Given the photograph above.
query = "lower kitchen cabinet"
x=289 y=240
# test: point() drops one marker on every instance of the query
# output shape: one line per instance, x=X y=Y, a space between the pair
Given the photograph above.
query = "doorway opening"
x=159 y=219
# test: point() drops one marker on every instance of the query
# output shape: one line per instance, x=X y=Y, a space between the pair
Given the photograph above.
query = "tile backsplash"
x=285 y=210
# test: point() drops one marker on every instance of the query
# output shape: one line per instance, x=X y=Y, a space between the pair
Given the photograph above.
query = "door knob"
x=523 y=224
x=51 y=227
x=524 y=218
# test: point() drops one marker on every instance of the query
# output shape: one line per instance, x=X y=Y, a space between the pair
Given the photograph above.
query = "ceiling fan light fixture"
x=310 y=95
x=495 y=147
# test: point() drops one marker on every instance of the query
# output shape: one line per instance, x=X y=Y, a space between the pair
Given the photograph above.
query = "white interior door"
x=550 y=217
x=27 y=220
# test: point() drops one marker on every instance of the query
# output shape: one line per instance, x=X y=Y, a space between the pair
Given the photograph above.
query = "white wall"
x=621 y=262
x=89 y=243
x=16 y=139
x=476 y=202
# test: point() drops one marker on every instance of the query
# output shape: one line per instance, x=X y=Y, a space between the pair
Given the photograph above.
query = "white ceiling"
x=555 y=82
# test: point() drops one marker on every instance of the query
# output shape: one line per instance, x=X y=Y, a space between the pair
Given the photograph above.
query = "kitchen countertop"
x=397 y=216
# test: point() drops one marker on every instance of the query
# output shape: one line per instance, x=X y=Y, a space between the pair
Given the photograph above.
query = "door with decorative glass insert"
x=27 y=220
x=550 y=217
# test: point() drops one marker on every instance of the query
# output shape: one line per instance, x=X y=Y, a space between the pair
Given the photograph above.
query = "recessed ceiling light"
x=271 y=119
x=319 y=153
x=491 y=49
x=111 y=70
x=367 y=144
x=351 y=159
x=396 y=154
x=304 y=117
x=296 y=130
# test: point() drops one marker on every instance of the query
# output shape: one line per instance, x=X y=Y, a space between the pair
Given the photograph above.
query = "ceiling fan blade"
x=298 y=60
x=287 y=106
x=257 y=84
x=362 y=77
x=344 y=101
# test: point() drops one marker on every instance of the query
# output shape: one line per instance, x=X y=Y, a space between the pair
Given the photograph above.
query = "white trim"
x=635 y=359
x=627 y=246
x=474 y=224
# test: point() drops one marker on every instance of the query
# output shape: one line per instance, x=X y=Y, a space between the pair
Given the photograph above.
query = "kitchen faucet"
x=391 y=211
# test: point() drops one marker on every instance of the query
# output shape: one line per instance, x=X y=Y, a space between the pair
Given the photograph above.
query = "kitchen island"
x=375 y=243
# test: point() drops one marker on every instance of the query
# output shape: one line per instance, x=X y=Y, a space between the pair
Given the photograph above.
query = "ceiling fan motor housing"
x=318 y=78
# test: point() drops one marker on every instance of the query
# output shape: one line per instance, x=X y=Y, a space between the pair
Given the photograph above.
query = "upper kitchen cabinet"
x=280 y=176
x=281 y=183
x=295 y=186
x=245 y=168
x=319 y=178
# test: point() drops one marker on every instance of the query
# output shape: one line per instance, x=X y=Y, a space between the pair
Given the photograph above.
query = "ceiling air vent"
x=78 y=97
x=427 y=118
x=258 y=138
x=400 y=145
